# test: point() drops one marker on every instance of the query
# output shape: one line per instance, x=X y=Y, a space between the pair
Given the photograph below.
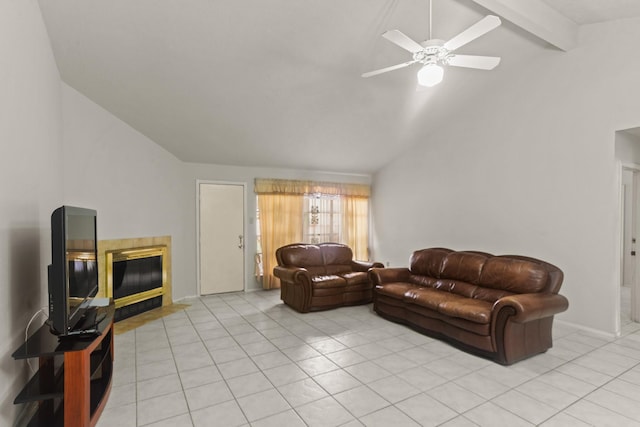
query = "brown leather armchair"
x=323 y=276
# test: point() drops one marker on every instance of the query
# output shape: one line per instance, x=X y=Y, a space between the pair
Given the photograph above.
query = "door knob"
x=240 y=242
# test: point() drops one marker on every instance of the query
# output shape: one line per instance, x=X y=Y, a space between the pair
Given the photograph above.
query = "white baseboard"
x=592 y=331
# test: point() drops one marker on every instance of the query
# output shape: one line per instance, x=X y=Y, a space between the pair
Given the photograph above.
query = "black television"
x=73 y=273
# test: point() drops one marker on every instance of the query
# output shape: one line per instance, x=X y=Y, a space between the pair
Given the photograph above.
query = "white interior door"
x=221 y=237
x=635 y=294
x=629 y=244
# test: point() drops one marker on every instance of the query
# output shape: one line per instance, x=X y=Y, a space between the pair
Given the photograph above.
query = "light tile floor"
x=249 y=360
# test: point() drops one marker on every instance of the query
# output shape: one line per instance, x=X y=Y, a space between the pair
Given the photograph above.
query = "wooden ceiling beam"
x=538 y=19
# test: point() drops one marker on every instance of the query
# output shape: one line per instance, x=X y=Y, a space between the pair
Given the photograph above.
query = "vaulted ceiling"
x=276 y=83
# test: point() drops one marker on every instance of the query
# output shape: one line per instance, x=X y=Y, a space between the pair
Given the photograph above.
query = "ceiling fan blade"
x=400 y=39
x=478 y=29
x=472 y=61
x=391 y=68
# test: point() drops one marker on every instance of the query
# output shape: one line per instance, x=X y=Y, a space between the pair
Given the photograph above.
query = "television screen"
x=80 y=251
x=73 y=274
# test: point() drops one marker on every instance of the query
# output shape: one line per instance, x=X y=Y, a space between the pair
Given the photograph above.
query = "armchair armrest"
x=365 y=265
x=379 y=276
x=530 y=307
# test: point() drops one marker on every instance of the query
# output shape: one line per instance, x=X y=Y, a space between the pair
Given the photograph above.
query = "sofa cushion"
x=428 y=262
x=302 y=256
x=490 y=295
x=338 y=269
x=429 y=297
x=456 y=287
x=394 y=289
x=356 y=278
x=336 y=254
x=469 y=290
x=452 y=305
x=463 y=266
x=422 y=280
x=328 y=281
x=316 y=270
x=337 y=258
x=483 y=329
x=474 y=310
x=513 y=275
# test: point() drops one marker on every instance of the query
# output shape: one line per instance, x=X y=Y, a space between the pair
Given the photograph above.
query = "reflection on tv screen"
x=83 y=278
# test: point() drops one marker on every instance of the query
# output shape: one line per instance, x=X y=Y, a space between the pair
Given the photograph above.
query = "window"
x=322 y=218
x=309 y=212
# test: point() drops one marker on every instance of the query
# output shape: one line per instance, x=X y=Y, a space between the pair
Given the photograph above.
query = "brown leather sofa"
x=319 y=277
x=500 y=307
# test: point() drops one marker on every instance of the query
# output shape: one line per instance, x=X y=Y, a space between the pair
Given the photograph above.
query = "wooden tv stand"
x=74 y=379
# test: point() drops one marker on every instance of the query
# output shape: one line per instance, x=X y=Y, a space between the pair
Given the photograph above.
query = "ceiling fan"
x=434 y=53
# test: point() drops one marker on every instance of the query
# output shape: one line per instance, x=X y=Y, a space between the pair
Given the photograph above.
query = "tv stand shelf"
x=74 y=377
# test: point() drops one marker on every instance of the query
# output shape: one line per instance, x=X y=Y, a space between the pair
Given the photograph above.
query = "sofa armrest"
x=530 y=307
x=379 y=276
x=521 y=325
x=295 y=287
x=365 y=265
x=294 y=275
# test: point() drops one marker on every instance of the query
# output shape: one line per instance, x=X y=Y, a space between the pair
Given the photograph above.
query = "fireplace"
x=137 y=274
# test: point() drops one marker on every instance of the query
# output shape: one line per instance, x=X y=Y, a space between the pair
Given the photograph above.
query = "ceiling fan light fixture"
x=430 y=75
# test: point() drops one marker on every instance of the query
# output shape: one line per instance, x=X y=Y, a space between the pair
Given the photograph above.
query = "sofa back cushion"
x=302 y=255
x=463 y=266
x=488 y=294
x=428 y=262
x=420 y=280
x=322 y=259
x=481 y=275
x=456 y=287
x=513 y=275
x=337 y=257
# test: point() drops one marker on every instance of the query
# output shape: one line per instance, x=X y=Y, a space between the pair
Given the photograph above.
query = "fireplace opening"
x=136 y=279
x=136 y=275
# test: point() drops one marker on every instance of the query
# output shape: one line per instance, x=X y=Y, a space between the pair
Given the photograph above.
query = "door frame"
x=244 y=229
x=635 y=286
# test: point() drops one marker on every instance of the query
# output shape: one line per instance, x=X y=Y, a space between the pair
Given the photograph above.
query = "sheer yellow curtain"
x=280 y=224
x=355 y=230
x=281 y=205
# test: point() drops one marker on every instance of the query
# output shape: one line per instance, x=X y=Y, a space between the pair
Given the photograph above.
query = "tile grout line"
x=327 y=332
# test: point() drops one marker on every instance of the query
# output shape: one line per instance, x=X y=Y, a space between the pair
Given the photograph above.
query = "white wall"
x=627 y=147
x=135 y=185
x=528 y=169
x=30 y=182
x=245 y=175
x=139 y=189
